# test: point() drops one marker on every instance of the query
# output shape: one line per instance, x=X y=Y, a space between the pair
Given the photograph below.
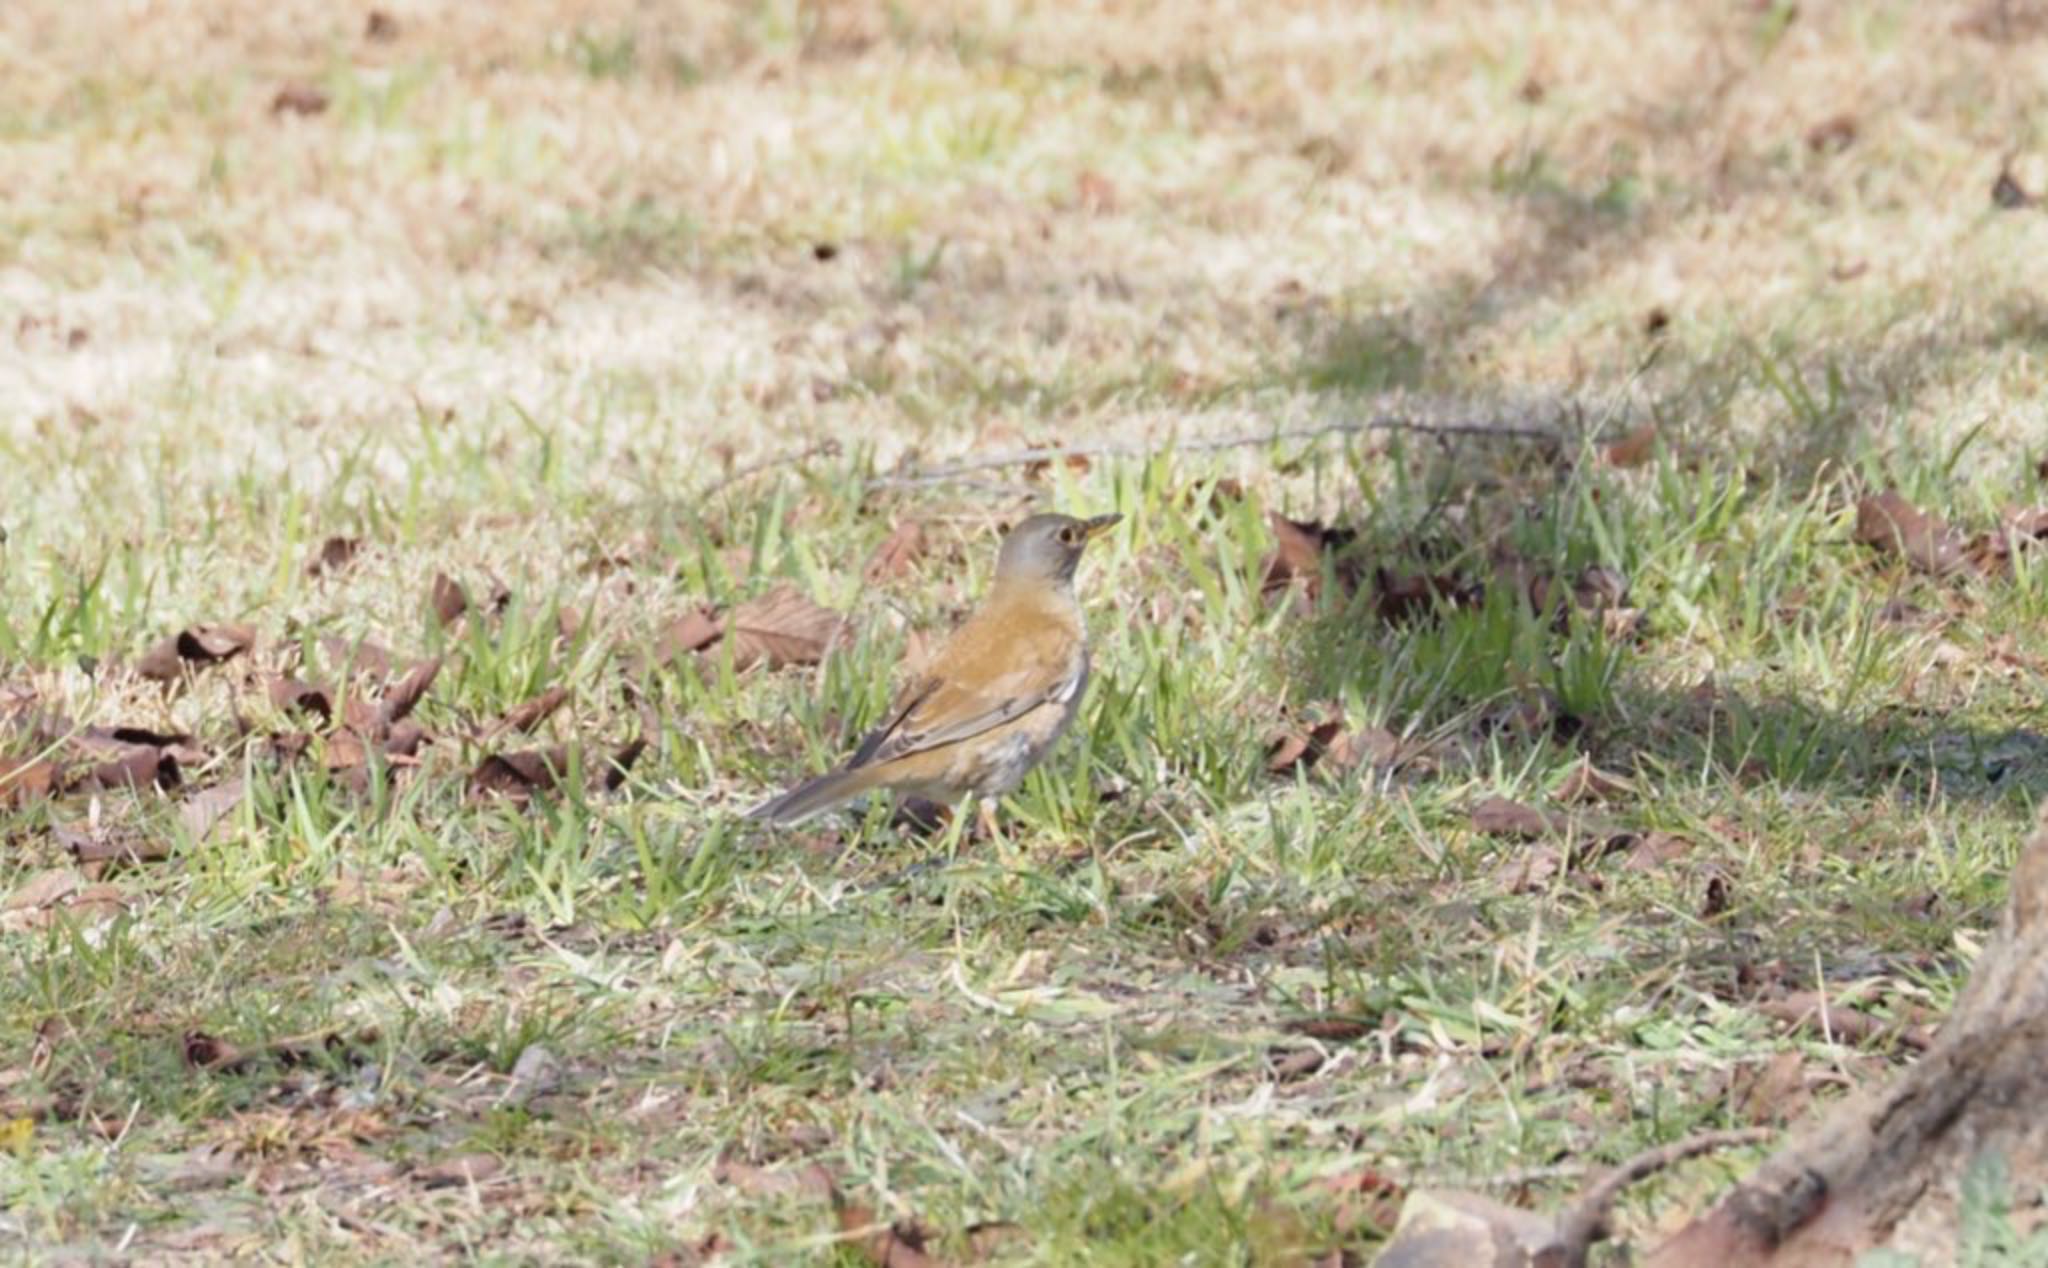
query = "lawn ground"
x=563 y=302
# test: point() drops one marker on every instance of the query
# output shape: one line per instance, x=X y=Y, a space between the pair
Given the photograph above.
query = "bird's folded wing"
x=936 y=712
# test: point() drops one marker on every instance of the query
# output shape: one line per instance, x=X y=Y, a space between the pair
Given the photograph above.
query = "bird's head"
x=1047 y=548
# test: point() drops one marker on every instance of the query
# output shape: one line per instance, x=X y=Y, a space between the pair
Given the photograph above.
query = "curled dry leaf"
x=693 y=631
x=204 y=810
x=1640 y=445
x=61 y=893
x=23 y=780
x=782 y=628
x=403 y=696
x=1501 y=817
x=199 y=645
x=293 y=695
x=1402 y=597
x=1654 y=850
x=527 y=716
x=299 y=99
x=211 y=1053
x=1774 y=1092
x=1816 y=1014
x=811 y=1180
x=463 y=1170
x=521 y=776
x=1297 y=748
x=333 y=555
x=898 y=1245
x=898 y=554
x=134 y=766
x=1892 y=525
x=95 y=849
x=448 y=598
x=1300 y=549
x=352 y=659
x=1586 y=782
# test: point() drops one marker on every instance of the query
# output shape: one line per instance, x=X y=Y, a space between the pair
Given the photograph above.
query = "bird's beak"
x=1094 y=528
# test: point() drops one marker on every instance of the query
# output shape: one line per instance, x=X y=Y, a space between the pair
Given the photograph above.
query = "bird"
x=993 y=700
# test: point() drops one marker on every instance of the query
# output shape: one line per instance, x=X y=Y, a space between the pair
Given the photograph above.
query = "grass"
x=518 y=299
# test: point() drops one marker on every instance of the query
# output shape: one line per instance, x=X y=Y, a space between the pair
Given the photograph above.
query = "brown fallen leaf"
x=1638 y=446
x=448 y=598
x=294 y=695
x=1529 y=869
x=199 y=645
x=898 y=554
x=782 y=628
x=1654 y=850
x=299 y=99
x=1891 y=524
x=2007 y=194
x=333 y=555
x=95 y=850
x=204 y=810
x=1812 y=1012
x=403 y=696
x=1774 y=1092
x=898 y=1245
x=1300 y=548
x=1402 y=597
x=134 y=766
x=1331 y=1027
x=693 y=631
x=811 y=1180
x=530 y=714
x=1586 y=783
x=1832 y=135
x=619 y=765
x=360 y=658
x=61 y=893
x=23 y=780
x=380 y=27
x=1500 y=817
x=210 y=1053
x=463 y=1170
x=1439 y=1228
x=1297 y=749
x=519 y=776
x=1365 y=1199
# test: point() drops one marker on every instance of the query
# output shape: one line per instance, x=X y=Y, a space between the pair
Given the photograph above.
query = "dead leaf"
x=199 y=645
x=360 y=658
x=1653 y=850
x=519 y=776
x=898 y=554
x=1297 y=749
x=94 y=850
x=380 y=27
x=1891 y=524
x=403 y=696
x=2007 y=194
x=207 y=1052
x=620 y=764
x=811 y=1180
x=1331 y=1027
x=23 y=781
x=1365 y=1199
x=1816 y=1014
x=693 y=631
x=782 y=628
x=299 y=99
x=463 y=1170
x=1402 y=597
x=530 y=714
x=1638 y=446
x=1300 y=548
x=1586 y=783
x=59 y=893
x=135 y=766
x=1095 y=192
x=1439 y=1228
x=1529 y=869
x=1775 y=1093
x=291 y=694
x=1832 y=135
x=1500 y=817
x=449 y=599
x=896 y=1245
x=334 y=554
x=1368 y=744
x=204 y=810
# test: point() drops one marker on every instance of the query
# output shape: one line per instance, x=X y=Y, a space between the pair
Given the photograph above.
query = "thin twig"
x=822 y=449
x=1200 y=444
x=1587 y=1221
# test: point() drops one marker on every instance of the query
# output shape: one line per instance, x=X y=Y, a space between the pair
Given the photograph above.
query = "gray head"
x=1048 y=547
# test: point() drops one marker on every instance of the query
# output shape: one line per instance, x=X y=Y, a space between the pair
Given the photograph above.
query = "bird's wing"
x=959 y=699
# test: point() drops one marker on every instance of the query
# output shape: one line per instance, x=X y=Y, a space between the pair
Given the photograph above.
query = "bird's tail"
x=812 y=796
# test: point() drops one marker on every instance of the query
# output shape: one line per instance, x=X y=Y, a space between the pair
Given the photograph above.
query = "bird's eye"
x=1069 y=536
